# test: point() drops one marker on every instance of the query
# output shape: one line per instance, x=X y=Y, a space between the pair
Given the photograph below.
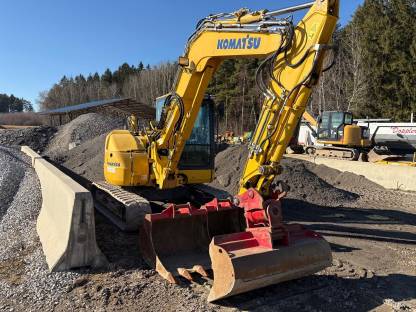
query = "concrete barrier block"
x=66 y=224
x=31 y=153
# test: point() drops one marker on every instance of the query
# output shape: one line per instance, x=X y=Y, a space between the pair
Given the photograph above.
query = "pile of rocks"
x=304 y=184
x=35 y=137
x=80 y=130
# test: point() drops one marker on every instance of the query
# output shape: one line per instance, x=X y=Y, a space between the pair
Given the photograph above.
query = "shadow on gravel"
x=120 y=248
x=327 y=293
x=341 y=248
x=348 y=222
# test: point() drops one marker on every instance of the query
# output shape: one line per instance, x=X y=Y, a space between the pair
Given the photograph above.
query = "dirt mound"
x=37 y=137
x=229 y=165
x=80 y=130
x=304 y=184
x=345 y=180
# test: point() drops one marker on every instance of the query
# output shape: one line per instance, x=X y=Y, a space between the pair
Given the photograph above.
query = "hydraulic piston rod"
x=290 y=9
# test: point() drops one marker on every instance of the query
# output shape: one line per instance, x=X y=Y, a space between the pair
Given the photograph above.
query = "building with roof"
x=119 y=106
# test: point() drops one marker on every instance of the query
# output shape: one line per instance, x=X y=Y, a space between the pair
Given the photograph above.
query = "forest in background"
x=374 y=74
x=12 y=104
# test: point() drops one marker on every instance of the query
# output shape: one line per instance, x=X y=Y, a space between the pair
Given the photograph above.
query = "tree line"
x=374 y=74
x=375 y=70
x=138 y=82
x=12 y=104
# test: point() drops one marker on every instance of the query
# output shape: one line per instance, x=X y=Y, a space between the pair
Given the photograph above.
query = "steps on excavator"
x=125 y=209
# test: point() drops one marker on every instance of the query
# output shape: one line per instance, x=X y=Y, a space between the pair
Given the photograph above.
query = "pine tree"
x=387 y=32
x=107 y=77
x=140 y=67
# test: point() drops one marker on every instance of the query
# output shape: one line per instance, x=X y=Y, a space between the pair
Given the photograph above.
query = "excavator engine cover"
x=183 y=239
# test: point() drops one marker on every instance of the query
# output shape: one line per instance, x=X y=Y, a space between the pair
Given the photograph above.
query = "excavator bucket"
x=244 y=261
x=382 y=154
x=267 y=252
x=175 y=242
x=183 y=240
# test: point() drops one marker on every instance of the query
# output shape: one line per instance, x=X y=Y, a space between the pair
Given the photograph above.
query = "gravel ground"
x=24 y=276
x=371 y=231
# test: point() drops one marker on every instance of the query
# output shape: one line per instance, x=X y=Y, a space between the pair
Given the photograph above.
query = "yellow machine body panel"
x=126 y=160
x=352 y=137
x=197 y=176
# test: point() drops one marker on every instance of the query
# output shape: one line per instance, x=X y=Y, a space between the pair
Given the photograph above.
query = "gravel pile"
x=87 y=159
x=304 y=184
x=24 y=277
x=10 y=175
x=80 y=130
x=37 y=137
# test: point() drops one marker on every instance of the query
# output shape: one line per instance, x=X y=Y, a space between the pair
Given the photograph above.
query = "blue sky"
x=42 y=40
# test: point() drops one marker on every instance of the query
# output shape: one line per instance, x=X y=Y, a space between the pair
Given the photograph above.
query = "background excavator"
x=244 y=239
x=338 y=137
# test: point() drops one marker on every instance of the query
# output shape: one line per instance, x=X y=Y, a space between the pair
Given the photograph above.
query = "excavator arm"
x=295 y=71
x=293 y=62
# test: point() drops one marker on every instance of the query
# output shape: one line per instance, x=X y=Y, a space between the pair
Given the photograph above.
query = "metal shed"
x=120 y=107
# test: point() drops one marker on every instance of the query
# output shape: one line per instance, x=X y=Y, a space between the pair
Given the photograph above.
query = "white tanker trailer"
x=397 y=137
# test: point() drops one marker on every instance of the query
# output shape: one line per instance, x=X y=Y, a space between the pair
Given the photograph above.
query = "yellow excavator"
x=338 y=137
x=243 y=240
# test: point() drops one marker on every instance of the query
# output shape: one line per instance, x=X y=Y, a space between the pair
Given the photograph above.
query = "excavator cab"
x=332 y=125
x=337 y=128
x=197 y=160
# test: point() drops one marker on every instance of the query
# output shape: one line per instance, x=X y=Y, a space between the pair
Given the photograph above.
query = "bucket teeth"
x=200 y=270
x=184 y=273
x=171 y=279
x=165 y=274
